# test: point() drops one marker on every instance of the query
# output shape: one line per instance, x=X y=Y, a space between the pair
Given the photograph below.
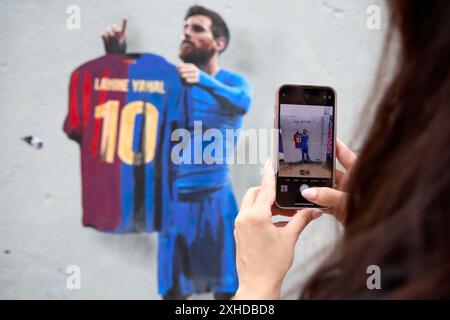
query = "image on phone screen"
x=305 y=150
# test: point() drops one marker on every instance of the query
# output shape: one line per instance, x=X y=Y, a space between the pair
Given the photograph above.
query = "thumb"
x=301 y=219
x=326 y=197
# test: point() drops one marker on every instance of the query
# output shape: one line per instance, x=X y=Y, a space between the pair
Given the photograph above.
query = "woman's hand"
x=335 y=199
x=264 y=250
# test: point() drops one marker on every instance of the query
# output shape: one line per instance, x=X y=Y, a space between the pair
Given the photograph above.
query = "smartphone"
x=305 y=116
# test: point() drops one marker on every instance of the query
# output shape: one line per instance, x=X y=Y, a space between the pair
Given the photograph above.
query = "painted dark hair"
x=399 y=204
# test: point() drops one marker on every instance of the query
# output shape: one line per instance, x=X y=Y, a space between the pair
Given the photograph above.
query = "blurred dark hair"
x=399 y=191
x=218 y=26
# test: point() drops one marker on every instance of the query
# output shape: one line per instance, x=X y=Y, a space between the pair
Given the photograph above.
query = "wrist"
x=202 y=77
x=258 y=293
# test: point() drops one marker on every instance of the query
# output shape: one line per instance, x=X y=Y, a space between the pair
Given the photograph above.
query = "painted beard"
x=198 y=56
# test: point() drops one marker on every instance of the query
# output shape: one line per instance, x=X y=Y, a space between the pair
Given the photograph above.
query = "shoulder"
x=89 y=67
x=154 y=58
x=156 y=62
x=99 y=62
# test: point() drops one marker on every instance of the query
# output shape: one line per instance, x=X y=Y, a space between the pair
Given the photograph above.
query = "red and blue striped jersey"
x=121 y=109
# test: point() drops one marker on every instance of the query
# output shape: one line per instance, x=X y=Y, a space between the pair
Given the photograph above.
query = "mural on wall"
x=123 y=110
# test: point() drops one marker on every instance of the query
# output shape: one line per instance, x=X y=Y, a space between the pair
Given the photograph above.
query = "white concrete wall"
x=273 y=42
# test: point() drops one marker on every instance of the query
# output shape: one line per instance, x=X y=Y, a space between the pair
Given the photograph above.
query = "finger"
x=342 y=182
x=110 y=32
x=326 y=197
x=115 y=28
x=182 y=70
x=192 y=77
x=184 y=65
x=345 y=156
x=339 y=176
x=282 y=212
x=249 y=198
x=266 y=195
x=188 y=73
x=191 y=80
x=124 y=24
x=303 y=217
x=186 y=69
x=104 y=37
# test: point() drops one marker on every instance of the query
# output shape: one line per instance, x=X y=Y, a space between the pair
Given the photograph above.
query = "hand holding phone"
x=305 y=119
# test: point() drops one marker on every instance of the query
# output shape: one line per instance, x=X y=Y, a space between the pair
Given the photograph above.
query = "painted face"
x=197 y=42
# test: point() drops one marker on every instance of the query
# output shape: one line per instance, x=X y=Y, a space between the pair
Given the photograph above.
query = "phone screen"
x=306 y=146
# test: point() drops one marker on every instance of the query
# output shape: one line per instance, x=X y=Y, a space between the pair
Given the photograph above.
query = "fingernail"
x=310 y=193
x=316 y=213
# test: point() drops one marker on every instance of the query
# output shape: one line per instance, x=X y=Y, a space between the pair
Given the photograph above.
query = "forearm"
x=237 y=97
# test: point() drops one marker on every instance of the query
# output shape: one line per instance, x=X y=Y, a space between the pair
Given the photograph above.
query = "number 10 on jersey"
x=109 y=112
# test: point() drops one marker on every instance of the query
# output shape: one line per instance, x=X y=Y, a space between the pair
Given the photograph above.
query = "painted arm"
x=237 y=96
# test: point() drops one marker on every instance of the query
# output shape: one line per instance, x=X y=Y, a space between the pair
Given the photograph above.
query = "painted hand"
x=114 y=38
x=189 y=72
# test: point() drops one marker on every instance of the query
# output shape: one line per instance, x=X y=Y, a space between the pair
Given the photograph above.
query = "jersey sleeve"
x=237 y=94
x=72 y=123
